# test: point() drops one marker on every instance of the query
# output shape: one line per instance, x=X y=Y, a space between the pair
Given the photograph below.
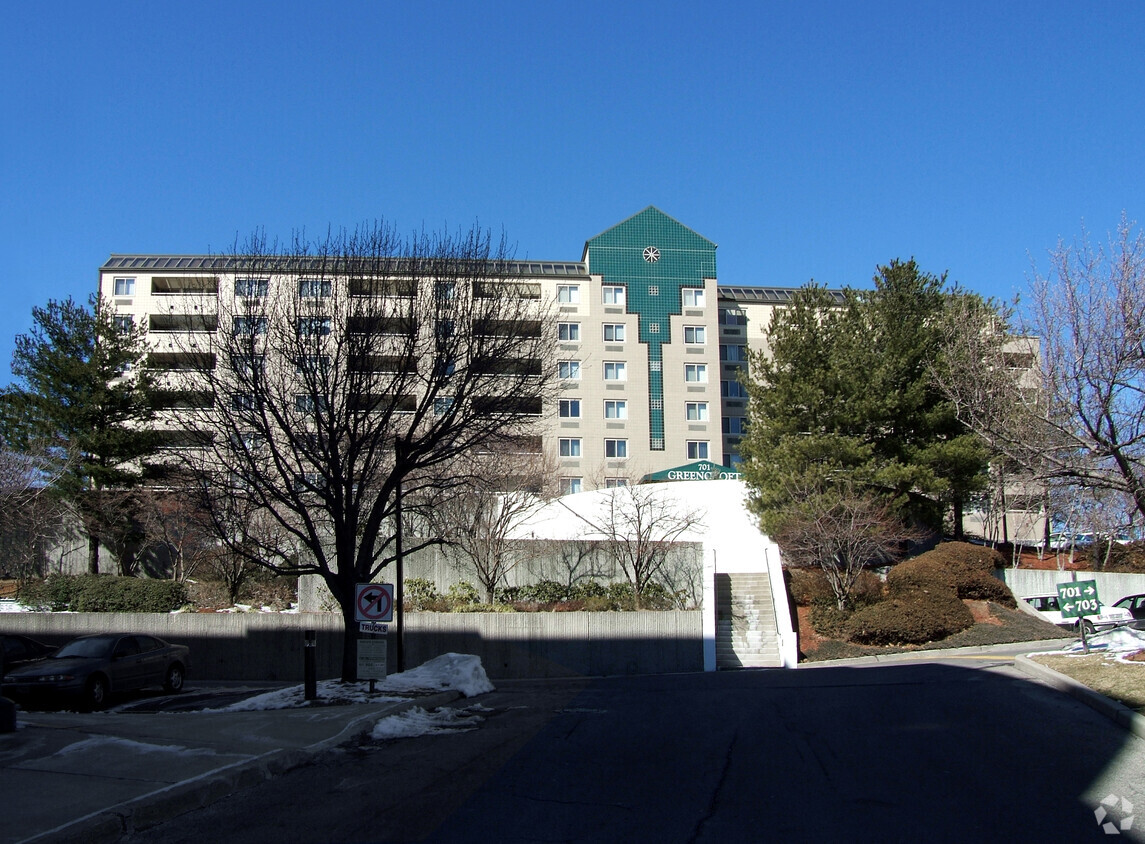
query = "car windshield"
x=85 y=647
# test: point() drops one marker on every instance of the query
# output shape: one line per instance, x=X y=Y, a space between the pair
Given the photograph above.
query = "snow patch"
x=101 y=744
x=418 y=722
x=1117 y=640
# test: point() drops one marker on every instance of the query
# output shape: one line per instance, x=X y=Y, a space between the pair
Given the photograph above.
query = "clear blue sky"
x=810 y=140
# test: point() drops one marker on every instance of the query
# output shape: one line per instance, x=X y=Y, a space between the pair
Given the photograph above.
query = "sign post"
x=373 y=610
x=1077 y=599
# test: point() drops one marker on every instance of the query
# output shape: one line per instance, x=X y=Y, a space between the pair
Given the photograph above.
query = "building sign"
x=701 y=470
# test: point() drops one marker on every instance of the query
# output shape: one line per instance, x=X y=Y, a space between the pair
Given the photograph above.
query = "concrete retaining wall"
x=1111 y=586
x=256 y=646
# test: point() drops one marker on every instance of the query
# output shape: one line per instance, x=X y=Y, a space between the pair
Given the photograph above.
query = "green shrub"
x=105 y=593
x=422 y=596
x=965 y=557
x=911 y=619
x=827 y=619
x=463 y=593
x=587 y=589
x=920 y=574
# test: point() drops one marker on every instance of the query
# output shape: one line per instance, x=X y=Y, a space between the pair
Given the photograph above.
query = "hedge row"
x=103 y=593
x=547 y=595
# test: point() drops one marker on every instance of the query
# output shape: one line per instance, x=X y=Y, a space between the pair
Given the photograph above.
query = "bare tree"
x=637 y=526
x=348 y=375
x=1063 y=395
x=178 y=526
x=842 y=530
x=479 y=518
x=32 y=520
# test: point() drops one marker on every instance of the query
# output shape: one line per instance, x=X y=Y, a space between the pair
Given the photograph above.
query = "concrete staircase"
x=746 y=635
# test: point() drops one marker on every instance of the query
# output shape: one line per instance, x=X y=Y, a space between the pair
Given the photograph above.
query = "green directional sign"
x=1078 y=598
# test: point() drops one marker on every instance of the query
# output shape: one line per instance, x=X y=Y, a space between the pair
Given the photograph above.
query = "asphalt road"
x=944 y=751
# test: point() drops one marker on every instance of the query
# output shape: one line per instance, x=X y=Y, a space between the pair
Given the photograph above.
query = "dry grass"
x=1115 y=678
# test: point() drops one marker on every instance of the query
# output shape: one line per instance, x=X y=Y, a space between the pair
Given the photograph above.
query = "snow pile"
x=462 y=672
x=1117 y=640
x=417 y=722
x=449 y=672
x=98 y=748
x=12 y=605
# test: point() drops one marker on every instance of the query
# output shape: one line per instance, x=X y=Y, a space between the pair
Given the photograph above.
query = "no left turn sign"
x=374 y=602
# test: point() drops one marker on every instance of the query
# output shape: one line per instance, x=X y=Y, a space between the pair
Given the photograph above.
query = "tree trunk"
x=349 y=642
x=958 y=534
x=93 y=553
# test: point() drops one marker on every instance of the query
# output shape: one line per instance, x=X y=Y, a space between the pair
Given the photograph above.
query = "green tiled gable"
x=682 y=258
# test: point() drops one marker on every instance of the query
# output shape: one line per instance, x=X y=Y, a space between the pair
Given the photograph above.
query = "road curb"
x=1116 y=712
x=118 y=822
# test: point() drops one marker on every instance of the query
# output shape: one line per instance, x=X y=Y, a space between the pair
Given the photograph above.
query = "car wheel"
x=173 y=682
x=95 y=692
x=1088 y=625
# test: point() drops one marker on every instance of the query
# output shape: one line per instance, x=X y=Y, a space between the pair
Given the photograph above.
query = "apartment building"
x=649 y=348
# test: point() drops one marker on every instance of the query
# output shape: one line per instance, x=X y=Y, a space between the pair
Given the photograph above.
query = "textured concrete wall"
x=254 y=646
x=1111 y=586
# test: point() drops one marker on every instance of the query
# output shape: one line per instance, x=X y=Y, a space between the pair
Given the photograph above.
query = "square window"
x=696 y=411
x=733 y=390
x=615 y=370
x=569 y=447
x=697 y=449
x=570 y=486
x=314 y=288
x=570 y=408
x=125 y=287
x=617 y=449
x=568 y=332
x=568 y=294
x=246 y=326
x=696 y=373
x=612 y=295
x=442 y=406
x=124 y=324
x=444 y=291
x=568 y=370
x=693 y=297
x=733 y=353
x=313 y=326
x=615 y=409
x=613 y=333
x=252 y=288
x=695 y=335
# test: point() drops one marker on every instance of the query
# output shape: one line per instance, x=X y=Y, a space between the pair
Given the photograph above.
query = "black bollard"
x=311 y=672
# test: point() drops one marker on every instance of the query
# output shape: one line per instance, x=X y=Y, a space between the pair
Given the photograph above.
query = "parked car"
x=17 y=651
x=1047 y=606
x=1135 y=604
x=91 y=668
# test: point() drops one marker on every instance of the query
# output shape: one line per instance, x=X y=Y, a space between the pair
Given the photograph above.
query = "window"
x=247 y=441
x=252 y=288
x=568 y=370
x=246 y=326
x=309 y=482
x=696 y=372
x=733 y=390
x=617 y=449
x=312 y=365
x=736 y=425
x=615 y=483
x=124 y=324
x=314 y=288
x=570 y=447
x=696 y=411
x=615 y=409
x=243 y=402
x=695 y=335
x=309 y=403
x=313 y=326
x=697 y=449
x=693 y=297
x=731 y=317
x=570 y=486
x=568 y=294
x=248 y=366
x=612 y=294
x=444 y=291
x=570 y=408
x=125 y=287
x=733 y=353
x=568 y=332
x=614 y=333
x=614 y=370
x=442 y=406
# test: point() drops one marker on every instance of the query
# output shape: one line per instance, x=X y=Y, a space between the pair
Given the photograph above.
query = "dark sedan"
x=17 y=651
x=91 y=668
